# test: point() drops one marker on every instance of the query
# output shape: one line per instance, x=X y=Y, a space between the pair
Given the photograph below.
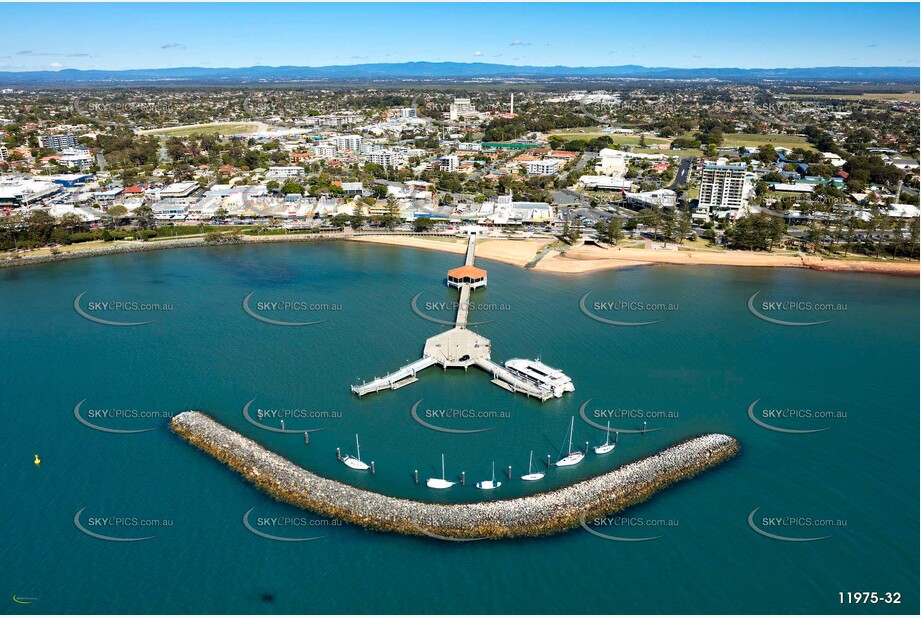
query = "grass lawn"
x=205 y=129
x=756 y=139
x=77 y=246
x=681 y=152
x=588 y=133
x=700 y=243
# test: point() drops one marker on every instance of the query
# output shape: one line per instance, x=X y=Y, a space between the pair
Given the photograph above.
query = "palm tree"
x=849 y=234
x=884 y=222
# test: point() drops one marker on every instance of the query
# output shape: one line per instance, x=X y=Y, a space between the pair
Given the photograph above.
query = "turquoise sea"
x=698 y=369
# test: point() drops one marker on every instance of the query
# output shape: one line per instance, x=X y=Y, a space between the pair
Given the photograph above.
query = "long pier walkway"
x=458 y=347
x=463 y=307
x=401 y=377
x=471 y=250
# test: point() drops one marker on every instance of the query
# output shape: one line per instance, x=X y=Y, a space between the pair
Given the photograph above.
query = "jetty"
x=539 y=514
x=458 y=347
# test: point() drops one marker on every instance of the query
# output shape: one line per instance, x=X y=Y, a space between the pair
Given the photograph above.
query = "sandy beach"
x=589 y=258
x=578 y=260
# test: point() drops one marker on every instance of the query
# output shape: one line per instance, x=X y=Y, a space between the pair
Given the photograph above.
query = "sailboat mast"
x=442 y=466
x=572 y=422
x=357 y=447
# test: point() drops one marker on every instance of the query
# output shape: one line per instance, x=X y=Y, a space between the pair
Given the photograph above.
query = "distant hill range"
x=446 y=71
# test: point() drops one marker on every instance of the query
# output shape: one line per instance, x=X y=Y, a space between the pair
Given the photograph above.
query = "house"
x=350 y=188
x=904 y=164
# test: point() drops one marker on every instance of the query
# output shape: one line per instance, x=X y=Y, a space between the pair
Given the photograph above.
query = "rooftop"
x=467 y=271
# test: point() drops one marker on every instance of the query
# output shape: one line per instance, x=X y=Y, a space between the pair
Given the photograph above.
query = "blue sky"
x=125 y=36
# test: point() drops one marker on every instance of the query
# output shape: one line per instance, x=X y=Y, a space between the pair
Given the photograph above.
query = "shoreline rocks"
x=535 y=515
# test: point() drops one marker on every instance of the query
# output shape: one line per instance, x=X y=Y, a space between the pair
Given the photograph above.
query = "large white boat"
x=573 y=457
x=541 y=375
x=441 y=483
x=355 y=463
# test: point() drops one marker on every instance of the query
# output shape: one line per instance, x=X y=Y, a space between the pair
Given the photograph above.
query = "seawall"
x=154 y=245
x=535 y=515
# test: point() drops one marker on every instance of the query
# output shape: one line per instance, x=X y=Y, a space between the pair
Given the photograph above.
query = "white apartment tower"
x=723 y=189
x=460 y=108
x=348 y=142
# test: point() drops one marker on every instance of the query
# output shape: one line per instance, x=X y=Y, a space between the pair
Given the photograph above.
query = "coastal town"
x=403 y=308
x=688 y=166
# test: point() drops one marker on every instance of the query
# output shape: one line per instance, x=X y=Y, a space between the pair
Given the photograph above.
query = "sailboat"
x=440 y=483
x=355 y=463
x=607 y=447
x=573 y=457
x=489 y=484
x=532 y=476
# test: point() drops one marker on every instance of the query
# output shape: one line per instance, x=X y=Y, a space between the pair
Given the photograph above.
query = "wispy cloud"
x=696 y=56
x=358 y=57
x=32 y=53
x=172 y=46
x=517 y=43
x=872 y=45
x=478 y=53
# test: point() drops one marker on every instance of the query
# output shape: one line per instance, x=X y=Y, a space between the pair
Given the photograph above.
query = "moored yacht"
x=441 y=483
x=607 y=447
x=355 y=463
x=490 y=484
x=532 y=476
x=573 y=457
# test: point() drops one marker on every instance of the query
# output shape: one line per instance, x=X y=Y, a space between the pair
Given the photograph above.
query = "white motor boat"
x=543 y=376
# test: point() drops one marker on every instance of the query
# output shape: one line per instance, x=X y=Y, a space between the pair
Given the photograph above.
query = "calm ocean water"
x=698 y=369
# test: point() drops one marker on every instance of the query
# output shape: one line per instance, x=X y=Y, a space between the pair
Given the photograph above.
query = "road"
x=681 y=176
x=583 y=161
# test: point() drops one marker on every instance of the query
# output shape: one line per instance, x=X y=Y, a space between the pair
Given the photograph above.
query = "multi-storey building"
x=723 y=190
x=348 y=142
x=58 y=142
